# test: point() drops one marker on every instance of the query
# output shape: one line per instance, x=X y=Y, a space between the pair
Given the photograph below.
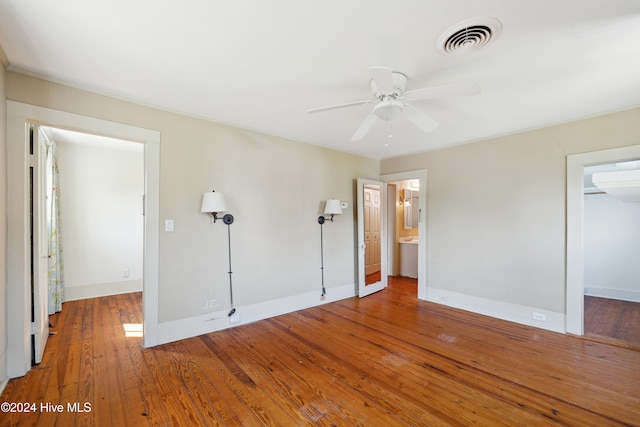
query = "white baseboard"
x=74 y=293
x=553 y=321
x=215 y=321
x=621 y=294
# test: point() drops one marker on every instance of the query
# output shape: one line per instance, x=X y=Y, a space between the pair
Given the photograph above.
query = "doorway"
x=575 y=277
x=403 y=214
x=19 y=116
x=611 y=249
x=416 y=223
x=101 y=181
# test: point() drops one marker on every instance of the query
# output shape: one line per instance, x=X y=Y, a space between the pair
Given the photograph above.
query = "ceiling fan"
x=390 y=101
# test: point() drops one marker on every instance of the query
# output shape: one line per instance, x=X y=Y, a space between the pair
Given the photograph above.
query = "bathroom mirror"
x=372 y=231
x=371 y=266
x=410 y=205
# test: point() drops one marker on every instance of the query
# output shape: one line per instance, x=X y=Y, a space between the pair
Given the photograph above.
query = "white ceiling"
x=261 y=65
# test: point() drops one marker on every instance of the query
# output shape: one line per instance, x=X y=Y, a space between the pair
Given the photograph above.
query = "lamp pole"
x=228 y=219
x=321 y=221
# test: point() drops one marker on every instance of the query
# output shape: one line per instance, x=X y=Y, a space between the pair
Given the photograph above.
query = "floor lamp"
x=213 y=203
x=331 y=207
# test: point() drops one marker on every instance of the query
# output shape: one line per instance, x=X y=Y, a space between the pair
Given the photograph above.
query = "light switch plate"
x=169 y=225
x=344 y=205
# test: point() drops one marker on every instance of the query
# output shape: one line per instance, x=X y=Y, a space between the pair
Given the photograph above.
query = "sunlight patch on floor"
x=132 y=329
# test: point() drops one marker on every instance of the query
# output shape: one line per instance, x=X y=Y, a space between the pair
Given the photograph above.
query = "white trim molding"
x=611 y=293
x=97 y=290
x=216 y=321
x=525 y=315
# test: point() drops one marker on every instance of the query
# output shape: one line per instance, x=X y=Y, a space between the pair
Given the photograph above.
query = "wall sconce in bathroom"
x=331 y=207
x=213 y=203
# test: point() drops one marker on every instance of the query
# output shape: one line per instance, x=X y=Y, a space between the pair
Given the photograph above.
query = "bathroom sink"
x=408 y=239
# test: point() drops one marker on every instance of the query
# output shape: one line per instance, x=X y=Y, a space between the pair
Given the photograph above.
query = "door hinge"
x=34 y=328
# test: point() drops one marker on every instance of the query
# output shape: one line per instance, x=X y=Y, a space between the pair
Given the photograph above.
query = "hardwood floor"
x=384 y=360
x=613 y=320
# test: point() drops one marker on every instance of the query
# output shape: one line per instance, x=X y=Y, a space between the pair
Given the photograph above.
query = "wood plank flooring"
x=385 y=360
x=613 y=320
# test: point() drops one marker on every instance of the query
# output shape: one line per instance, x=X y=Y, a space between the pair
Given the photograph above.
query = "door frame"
x=421 y=176
x=18 y=263
x=39 y=243
x=575 y=225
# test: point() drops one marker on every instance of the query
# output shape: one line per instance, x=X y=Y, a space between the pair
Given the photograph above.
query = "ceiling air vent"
x=469 y=36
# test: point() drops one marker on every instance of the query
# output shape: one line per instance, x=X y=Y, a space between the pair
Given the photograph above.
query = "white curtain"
x=56 y=266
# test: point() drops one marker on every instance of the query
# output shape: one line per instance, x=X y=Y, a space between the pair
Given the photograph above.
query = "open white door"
x=372 y=266
x=39 y=243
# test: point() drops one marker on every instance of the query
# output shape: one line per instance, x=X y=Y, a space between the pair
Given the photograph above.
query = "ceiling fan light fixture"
x=389 y=109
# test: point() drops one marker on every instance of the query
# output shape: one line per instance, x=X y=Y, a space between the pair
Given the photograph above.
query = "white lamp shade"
x=213 y=202
x=332 y=207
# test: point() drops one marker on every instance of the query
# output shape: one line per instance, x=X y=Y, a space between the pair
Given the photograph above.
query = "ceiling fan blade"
x=383 y=77
x=365 y=127
x=334 y=107
x=420 y=119
x=445 y=91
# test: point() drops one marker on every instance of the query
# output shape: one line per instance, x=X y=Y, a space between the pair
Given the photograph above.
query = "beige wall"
x=274 y=187
x=3 y=226
x=496 y=209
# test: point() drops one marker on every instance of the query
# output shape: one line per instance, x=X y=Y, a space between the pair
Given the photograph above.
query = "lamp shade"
x=332 y=207
x=213 y=202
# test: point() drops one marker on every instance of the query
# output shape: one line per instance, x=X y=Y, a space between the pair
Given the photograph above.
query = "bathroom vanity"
x=409 y=256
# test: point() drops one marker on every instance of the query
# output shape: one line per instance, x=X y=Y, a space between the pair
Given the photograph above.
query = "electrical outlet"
x=125 y=273
x=234 y=318
x=539 y=316
x=211 y=304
